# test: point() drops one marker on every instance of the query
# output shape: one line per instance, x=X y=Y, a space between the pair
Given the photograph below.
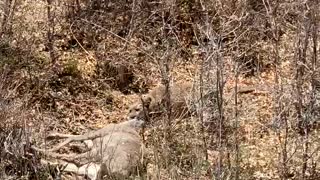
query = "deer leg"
x=91 y=169
x=59 y=136
x=79 y=160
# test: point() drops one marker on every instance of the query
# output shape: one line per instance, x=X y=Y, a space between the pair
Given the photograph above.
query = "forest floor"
x=86 y=89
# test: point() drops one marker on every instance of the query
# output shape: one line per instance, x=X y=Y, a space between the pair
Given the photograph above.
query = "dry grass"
x=95 y=82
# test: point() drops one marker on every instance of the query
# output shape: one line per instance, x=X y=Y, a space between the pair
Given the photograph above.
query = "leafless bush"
x=16 y=157
x=131 y=45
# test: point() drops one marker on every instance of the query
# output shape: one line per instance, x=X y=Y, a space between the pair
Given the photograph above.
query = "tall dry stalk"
x=279 y=112
x=301 y=60
x=167 y=122
x=220 y=98
x=51 y=30
x=236 y=125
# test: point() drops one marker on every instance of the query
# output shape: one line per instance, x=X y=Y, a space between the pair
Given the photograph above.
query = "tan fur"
x=184 y=99
x=124 y=126
x=116 y=151
x=154 y=101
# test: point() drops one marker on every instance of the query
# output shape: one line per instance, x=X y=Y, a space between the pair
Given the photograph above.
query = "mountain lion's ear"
x=146 y=101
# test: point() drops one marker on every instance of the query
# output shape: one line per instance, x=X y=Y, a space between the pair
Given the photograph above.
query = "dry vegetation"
x=76 y=65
